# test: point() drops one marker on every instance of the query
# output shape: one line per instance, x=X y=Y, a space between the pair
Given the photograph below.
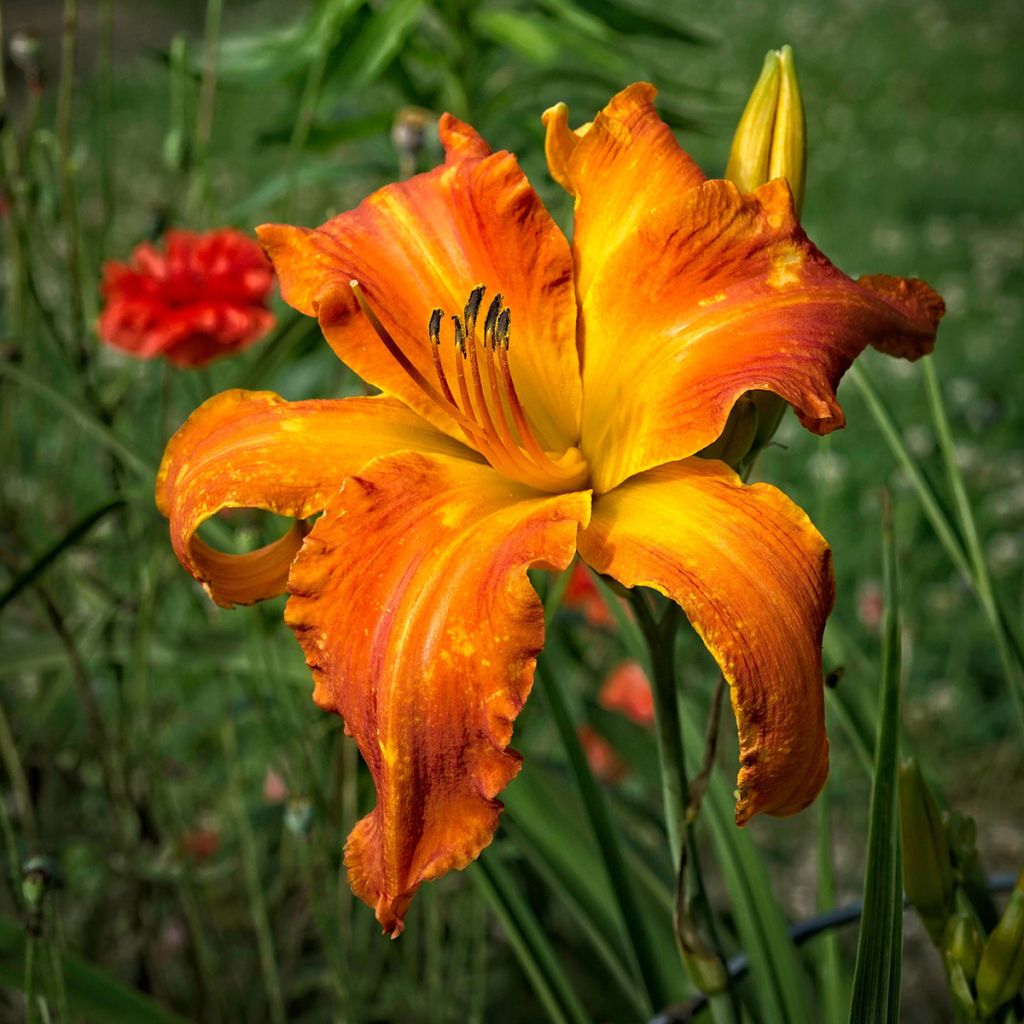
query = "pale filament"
x=501 y=430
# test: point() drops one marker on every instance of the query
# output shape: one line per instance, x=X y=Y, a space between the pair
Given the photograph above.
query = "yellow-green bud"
x=770 y=142
x=963 y=943
x=927 y=868
x=1001 y=970
x=771 y=138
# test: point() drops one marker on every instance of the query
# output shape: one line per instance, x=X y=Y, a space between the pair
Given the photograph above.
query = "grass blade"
x=975 y=552
x=876 y=980
x=52 y=553
x=529 y=942
x=85 y=419
x=966 y=555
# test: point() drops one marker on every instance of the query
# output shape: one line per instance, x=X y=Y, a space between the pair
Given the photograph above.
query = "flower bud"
x=1001 y=970
x=962 y=943
x=770 y=142
x=771 y=138
x=927 y=868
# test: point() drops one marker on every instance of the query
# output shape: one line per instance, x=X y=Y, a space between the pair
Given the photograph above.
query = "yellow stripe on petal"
x=252 y=449
x=411 y=601
x=755 y=578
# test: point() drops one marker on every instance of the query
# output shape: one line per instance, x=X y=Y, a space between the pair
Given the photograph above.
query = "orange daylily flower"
x=560 y=411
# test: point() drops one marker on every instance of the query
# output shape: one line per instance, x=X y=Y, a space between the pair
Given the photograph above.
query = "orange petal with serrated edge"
x=755 y=578
x=425 y=243
x=252 y=449
x=411 y=601
x=627 y=163
x=718 y=294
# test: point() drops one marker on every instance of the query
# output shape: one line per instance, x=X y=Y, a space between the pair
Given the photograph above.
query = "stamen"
x=403 y=360
x=496 y=424
x=483 y=413
x=476 y=296
x=491 y=318
x=501 y=342
x=434 y=330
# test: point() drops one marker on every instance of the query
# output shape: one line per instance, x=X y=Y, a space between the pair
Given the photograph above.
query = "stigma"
x=483 y=401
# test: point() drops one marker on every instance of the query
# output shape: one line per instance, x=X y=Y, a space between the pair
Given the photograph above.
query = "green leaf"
x=635 y=19
x=378 y=42
x=531 y=37
x=91 y=993
x=876 y=980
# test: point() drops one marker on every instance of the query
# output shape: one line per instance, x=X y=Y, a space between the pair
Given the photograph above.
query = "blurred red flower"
x=628 y=691
x=604 y=762
x=583 y=595
x=198 y=844
x=203 y=296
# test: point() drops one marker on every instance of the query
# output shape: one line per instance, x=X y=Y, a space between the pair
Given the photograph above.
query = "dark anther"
x=503 y=328
x=460 y=335
x=832 y=679
x=435 y=326
x=476 y=296
x=491 y=319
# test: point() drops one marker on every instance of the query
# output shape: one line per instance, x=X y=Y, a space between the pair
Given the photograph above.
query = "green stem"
x=30 y=978
x=105 y=63
x=308 y=102
x=19 y=782
x=660 y=637
x=69 y=206
x=251 y=870
x=207 y=96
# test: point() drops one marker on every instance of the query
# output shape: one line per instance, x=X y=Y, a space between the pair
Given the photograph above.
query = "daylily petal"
x=427 y=242
x=252 y=449
x=627 y=163
x=411 y=601
x=719 y=294
x=560 y=142
x=755 y=578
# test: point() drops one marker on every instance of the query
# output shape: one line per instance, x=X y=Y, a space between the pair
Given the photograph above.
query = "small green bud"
x=1001 y=970
x=963 y=943
x=707 y=972
x=927 y=869
x=963 y=837
x=298 y=816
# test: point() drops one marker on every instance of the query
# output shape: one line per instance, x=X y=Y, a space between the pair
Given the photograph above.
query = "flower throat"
x=499 y=428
